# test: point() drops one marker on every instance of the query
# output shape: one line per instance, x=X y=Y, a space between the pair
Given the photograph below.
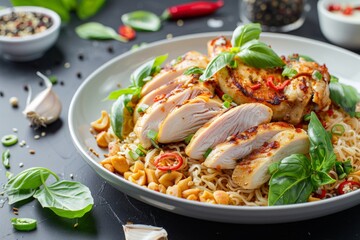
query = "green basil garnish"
x=142 y=20
x=153 y=135
x=217 y=63
x=94 y=30
x=345 y=96
x=316 y=75
x=295 y=177
x=194 y=70
x=245 y=33
x=121 y=116
x=65 y=198
x=259 y=55
x=289 y=72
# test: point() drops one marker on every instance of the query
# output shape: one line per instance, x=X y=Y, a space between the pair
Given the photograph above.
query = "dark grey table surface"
x=55 y=151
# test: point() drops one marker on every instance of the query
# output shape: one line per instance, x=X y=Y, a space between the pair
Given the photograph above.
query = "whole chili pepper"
x=192 y=9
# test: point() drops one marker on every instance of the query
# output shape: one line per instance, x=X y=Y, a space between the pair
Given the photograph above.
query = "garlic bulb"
x=45 y=108
x=144 y=232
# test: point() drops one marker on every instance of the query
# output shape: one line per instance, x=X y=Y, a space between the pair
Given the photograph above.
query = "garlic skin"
x=45 y=108
x=144 y=232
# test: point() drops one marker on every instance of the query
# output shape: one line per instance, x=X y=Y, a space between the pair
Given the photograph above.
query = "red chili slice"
x=127 y=32
x=256 y=86
x=334 y=7
x=320 y=193
x=169 y=161
x=348 y=11
x=348 y=186
x=280 y=87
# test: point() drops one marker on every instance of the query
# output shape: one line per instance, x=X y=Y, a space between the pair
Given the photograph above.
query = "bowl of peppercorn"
x=27 y=32
x=340 y=22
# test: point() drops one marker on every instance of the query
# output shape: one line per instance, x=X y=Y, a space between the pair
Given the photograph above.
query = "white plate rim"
x=91 y=161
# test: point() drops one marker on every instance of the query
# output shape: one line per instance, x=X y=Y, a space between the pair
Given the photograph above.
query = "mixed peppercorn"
x=19 y=24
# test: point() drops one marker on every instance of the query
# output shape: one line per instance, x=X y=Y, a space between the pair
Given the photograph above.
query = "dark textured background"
x=56 y=151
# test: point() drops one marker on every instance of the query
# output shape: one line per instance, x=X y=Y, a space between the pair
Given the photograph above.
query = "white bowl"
x=30 y=47
x=340 y=29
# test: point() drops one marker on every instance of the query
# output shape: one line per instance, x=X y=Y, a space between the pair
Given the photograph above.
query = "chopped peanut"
x=127 y=175
x=170 y=178
x=102 y=139
x=103 y=123
x=138 y=165
x=109 y=167
x=207 y=197
x=193 y=197
x=221 y=197
x=150 y=175
x=184 y=184
x=119 y=163
x=139 y=177
x=192 y=191
x=113 y=148
x=174 y=191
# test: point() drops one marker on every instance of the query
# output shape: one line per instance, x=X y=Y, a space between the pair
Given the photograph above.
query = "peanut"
x=103 y=123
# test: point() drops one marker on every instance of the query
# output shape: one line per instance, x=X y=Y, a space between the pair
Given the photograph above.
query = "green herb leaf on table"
x=66 y=198
x=70 y=4
x=17 y=195
x=30 y=178
x=259 y=55
x=142 y=20
x=88 y=8
x=245 y=33
x=345 y=96
x=94 y=30
x=216 y=64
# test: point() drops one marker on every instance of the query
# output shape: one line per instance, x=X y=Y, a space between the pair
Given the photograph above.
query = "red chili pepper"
x=169 y=161
x=348 y=11
x=320 y=193
x=270 y=83
x=256 y=86
x=192 y=9
x=348 y=186
x=334 y=7
x=127 y=32
x=330 y=112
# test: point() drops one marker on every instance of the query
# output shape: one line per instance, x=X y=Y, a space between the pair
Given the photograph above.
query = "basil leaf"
x=194 y=70
x=289 y=72
x=27 y=179
x=66 y=198
x=146 y=70
x=70 y=4
x=114 y=95
x=216 y=64
x=245 y=33
x=345 y=96
x=121 y=116
x=142 y=20
x=258 y=54
x=18 y=195
x=321 y=149
x=88 y=8
x=56 y=6
x=94 y=30
x=323 y=178
x=291 y=182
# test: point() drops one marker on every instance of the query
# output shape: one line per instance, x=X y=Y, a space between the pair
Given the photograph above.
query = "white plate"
x=87 y=104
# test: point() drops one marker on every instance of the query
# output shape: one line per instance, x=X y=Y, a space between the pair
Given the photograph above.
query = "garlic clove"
x=45 y=108
x=144 y=232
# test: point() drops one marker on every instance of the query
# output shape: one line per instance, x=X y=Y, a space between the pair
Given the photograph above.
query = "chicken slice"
x=149 y=99
x=225 y=124
x=188 y=118
x=157 y=112
x=225 y=155
x=174 y=70
x=252 y=171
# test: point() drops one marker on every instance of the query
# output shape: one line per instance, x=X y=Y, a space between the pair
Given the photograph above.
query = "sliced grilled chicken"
x=225 y=124
x=225 y=155
x=153 y=96
x=218 y=45
x=186 y=119
x=155 y=114
x=252 y=171
x=290 y=98
x=174 y=70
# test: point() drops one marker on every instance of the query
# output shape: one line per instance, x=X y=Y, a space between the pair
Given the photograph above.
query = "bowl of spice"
x=26 y=33
x=340 y=22
x=274 y=15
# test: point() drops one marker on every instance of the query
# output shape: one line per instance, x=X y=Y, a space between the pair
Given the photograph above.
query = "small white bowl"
x=340 y=29
x=33 y=46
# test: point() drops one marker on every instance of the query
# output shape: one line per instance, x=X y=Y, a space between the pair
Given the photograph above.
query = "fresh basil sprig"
x=65 y=198
x=94 y=30
x=121 y=116
x=248 y=48
x=295 y=177
x=142 y=20
x=345 y=96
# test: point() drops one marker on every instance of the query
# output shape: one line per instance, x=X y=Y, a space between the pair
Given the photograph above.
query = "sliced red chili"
x=348 y=186
x=256 y=86
x=320 y=193
x=348 y=11
x=330 y=112
x=334 y=7
x=280 y=87
x=127 y=32
x=169 y=161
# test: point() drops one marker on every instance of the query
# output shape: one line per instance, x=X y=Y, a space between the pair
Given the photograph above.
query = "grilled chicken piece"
x=218 y=45
x=225 y=155
x=174 y=70
x=155 y=114
x=186 y=119
x=252 y=171
x=150 y=98
x=299 y=95
x=225 y=124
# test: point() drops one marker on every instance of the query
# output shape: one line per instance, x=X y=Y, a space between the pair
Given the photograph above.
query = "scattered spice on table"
x=1 y=94
x=79 y=75
x=67 y=65
x=62 y=83
x=81 y=57
x=20 y=24
x=26 y=88
x=32 y=151
x=110 y=49
x=14 y=102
